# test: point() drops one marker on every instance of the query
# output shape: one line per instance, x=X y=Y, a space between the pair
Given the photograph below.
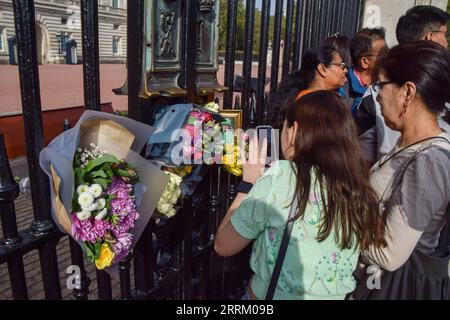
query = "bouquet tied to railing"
x=103 y=192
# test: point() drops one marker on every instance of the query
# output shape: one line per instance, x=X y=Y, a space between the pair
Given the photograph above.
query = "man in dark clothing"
x=419 y=23
x=366 y=48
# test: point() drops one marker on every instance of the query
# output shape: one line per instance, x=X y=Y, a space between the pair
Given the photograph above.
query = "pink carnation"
x=90 y=230
x=123 y=246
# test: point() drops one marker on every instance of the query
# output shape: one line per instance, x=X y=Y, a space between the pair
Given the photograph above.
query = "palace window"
x=117 y=45
x=116 y=4
x=2 y=40
x=64 y=39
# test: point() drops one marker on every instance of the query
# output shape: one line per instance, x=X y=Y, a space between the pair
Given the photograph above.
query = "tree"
x=240 y=25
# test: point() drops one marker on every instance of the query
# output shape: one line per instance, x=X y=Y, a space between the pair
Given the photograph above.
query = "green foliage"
x=93 y=250
x=115 y=219
x=96 y=163
x=101 y=171
x=240 y=32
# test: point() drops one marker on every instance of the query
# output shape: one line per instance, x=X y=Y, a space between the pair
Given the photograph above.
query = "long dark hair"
x=327 y=143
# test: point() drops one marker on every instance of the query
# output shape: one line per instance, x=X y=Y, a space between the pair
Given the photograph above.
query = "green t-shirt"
x=311 y=270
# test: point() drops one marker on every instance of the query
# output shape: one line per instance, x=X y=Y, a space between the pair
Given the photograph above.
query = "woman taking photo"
x=413 y=181
x=336 y=212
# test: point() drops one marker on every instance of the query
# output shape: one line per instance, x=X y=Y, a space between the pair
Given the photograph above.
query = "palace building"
x=58 y=23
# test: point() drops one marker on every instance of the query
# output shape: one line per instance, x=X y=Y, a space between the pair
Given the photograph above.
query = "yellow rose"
x=231 y=160
x=106 y=257
x=236 y=171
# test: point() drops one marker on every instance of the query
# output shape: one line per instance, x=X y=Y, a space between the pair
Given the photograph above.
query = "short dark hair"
x=418 y=21
x=362 y=43
x=427 y=65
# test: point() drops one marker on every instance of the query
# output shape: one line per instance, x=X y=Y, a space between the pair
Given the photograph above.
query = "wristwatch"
x=244 y=187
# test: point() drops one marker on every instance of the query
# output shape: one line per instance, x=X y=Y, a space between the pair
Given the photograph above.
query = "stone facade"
x=58 y=21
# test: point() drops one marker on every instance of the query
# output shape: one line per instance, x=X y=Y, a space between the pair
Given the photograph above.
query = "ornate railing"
x=174 y=258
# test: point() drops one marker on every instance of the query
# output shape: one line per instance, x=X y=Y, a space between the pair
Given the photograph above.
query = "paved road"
x=62 y=86
x=24 y=214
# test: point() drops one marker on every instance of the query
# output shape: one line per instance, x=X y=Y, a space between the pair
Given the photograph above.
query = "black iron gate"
x=173 y=259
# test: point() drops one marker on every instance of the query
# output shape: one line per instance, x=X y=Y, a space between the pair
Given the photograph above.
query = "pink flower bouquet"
x=103 y=193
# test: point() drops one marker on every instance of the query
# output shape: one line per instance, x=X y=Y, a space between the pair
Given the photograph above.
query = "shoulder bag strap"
x=444 y=239
x=282 y=253
x=397 y=178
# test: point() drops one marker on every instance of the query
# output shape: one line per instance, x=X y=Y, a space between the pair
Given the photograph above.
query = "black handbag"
x=282 y=253
x=422 y=277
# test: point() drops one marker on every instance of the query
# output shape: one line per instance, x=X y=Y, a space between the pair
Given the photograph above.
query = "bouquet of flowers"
x=207 y=140
x=104 y=207
x=232 y=160
x=199 y=127
x=167 y=203
x=103 y=192
x=235 y=144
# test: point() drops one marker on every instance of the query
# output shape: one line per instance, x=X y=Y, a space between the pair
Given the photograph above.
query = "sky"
x=272 y=5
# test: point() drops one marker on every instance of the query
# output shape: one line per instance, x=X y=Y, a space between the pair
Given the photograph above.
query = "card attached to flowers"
x=103 y=192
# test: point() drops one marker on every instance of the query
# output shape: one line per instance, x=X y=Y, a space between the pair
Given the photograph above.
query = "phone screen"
x=266 y=132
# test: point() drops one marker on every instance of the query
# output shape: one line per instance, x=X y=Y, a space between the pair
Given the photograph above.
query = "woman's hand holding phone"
x=255 y=165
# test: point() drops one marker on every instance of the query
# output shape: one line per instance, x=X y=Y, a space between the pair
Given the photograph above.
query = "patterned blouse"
x=311 y=270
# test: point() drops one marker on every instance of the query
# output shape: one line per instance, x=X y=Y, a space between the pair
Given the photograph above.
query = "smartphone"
x=266 y=132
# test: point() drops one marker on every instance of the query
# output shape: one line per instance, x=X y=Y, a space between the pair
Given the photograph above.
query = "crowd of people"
x=362 y=197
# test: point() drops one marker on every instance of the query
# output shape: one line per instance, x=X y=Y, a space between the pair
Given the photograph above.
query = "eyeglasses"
x=378 y=85
x=343 y=65
x=335 y=35
x=445 y=33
